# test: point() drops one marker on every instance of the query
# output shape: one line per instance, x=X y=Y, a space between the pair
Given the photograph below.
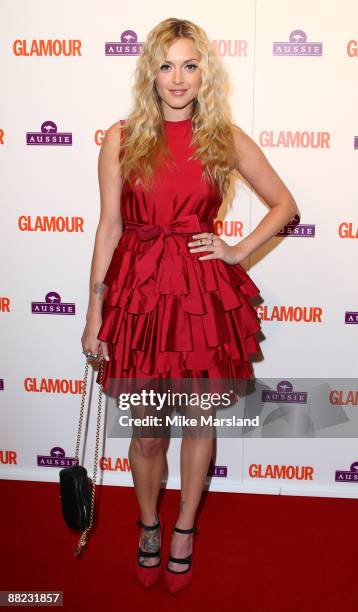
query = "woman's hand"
x=90 y=341
x=217 y=247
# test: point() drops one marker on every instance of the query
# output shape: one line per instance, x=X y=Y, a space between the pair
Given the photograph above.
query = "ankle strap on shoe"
x=144 y=553
x=182 y=560
x=192 y=530
x=148 y=527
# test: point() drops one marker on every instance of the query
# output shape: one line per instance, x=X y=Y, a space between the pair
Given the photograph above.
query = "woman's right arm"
x=108 y=233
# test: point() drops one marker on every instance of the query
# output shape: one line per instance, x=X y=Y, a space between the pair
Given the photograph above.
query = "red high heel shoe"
x=149 y=574
x=175 y=581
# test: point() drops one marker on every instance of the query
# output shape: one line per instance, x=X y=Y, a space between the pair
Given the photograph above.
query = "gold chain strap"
x=83 y=539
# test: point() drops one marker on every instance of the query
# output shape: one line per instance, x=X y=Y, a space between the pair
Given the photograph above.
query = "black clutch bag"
x=77 y=493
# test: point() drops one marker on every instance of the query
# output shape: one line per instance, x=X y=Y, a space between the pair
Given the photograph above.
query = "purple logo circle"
x=298 y=36
x=49 y=127
x=57 y=451
x=294 y=221
x=284 y=386
x=52 y=297
x=129 y=36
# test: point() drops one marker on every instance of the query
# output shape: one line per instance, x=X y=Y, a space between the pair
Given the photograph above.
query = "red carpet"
x=258 y=553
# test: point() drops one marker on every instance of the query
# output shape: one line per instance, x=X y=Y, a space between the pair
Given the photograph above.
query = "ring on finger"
x=90 y=356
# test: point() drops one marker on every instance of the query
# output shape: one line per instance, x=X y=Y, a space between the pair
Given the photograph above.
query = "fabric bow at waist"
x=188 y=224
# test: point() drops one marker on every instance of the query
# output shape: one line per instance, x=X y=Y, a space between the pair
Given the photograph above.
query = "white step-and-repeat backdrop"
x=67 y=73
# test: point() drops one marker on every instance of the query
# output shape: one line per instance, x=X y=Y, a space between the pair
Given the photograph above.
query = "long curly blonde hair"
x=144 y=144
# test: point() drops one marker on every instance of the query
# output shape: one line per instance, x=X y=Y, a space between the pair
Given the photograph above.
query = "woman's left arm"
x=257 y=170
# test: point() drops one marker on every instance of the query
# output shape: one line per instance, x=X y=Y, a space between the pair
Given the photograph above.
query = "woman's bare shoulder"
x=112 y=140
x=241 y=138
x=245 y=147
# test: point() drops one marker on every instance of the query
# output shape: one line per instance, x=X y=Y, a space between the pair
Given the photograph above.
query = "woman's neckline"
x=174 y=123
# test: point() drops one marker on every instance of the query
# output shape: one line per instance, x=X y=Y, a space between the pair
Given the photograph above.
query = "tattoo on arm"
x=181 y=504
x=99 y=288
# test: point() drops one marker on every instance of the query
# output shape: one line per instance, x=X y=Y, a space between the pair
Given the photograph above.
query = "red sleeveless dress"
x=167 y=314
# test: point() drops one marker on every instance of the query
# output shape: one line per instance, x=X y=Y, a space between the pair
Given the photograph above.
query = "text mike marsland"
x=183 y=421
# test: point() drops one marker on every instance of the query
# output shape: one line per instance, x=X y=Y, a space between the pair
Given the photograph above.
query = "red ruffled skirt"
x=191 y=318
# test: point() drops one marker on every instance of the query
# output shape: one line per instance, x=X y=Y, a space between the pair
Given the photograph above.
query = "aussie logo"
x=351 y=317
x=217 y=470
x=285 y=393
x=49 y=136
x=297 y=44
x=53 y=305
x=295 y=229
x=350 y=475
x=127 y=46
x=56 y=458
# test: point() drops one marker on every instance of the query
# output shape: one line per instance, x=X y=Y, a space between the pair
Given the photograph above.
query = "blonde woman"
x=168 y=298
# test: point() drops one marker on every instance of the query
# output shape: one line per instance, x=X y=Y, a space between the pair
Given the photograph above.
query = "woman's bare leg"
x=195 y=455
x=147 y=461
